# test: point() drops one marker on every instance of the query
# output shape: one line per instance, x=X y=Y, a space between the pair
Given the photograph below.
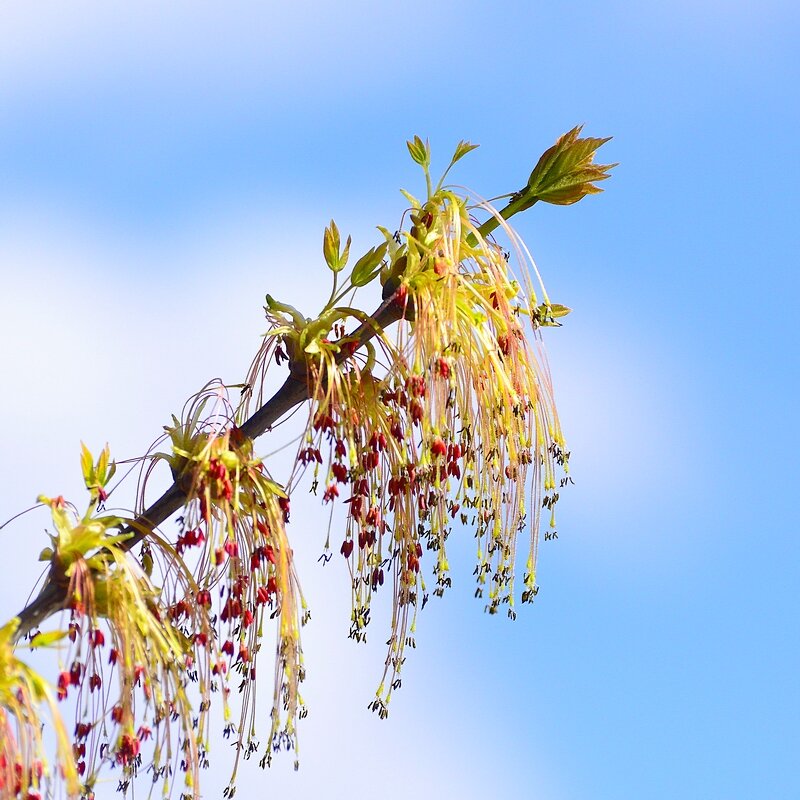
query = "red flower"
x=144 y=733
x=127 y=749
x=231 y=610
x=397 y=431
x=401 y=295
x=416 y=386
x=63 y=684
x=82 y=730
x=438 y=447
x=231 y=547
x=75 y=674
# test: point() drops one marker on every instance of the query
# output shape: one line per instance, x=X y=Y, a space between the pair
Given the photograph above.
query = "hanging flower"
x=233 y=523
x=24 y=695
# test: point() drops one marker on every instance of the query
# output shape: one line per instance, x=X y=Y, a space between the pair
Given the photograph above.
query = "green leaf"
x=147 y=562
x=420 y=151
x=276 y=306
x=387 y=234
x=566 y=172
x=557 y=310
x=102 y=465
x=547 y=313
x=345 y=253
x=368 y=266
x=411 y=199
x=276 y=488
x=8 y=630
x=331 y=244
x=46 y=639
x=87 y=465
x=462 y=149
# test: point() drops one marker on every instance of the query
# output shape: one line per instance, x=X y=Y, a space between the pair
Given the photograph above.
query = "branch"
x=564 y=174
x=294 y=391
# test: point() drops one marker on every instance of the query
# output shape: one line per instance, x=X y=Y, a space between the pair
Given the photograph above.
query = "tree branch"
x=294 y=391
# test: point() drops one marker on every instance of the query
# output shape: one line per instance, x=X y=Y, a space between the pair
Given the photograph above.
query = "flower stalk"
x=435 y=413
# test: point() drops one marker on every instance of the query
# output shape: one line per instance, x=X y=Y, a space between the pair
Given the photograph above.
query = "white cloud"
x=212 y=50
x=638 y=451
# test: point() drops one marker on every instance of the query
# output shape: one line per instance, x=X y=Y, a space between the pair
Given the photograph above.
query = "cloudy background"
x=162 y=167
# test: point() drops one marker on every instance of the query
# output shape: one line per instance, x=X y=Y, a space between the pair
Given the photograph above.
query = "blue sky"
x=159 y=161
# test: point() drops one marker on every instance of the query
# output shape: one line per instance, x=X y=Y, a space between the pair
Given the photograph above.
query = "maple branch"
x=294 y=391
x=564 y=174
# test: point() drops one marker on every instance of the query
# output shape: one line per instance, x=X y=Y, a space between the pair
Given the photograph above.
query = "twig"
x=294 y=391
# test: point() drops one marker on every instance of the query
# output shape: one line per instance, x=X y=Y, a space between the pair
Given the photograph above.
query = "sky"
x=163 y=167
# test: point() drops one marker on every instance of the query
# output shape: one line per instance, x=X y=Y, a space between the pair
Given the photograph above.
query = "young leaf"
x=87 y=465
x=566 y=172
x=557 y=310
x=547 y=313
x=420 y=151
x=46 y=639
x=46 y=554
x=147 y=562
x=411 y=199
x=345 y=253
x=462 y=149
x=368 y=266
x=331 y=243
x=102 y=464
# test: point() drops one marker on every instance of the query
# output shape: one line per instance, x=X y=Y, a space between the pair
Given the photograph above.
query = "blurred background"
x=163 y=166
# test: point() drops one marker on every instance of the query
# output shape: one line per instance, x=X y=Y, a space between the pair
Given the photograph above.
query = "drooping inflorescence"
x=24 y=695
x=234 y=521
x=431 y=416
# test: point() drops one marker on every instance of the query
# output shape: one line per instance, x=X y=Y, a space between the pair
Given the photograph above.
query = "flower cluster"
x=127 y=664
x=432 y=415
x=454 y=423
x=24 y=771
x=490 y=414
x=232 y=531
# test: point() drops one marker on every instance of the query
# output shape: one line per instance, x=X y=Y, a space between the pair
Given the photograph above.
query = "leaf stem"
x=520 y=203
